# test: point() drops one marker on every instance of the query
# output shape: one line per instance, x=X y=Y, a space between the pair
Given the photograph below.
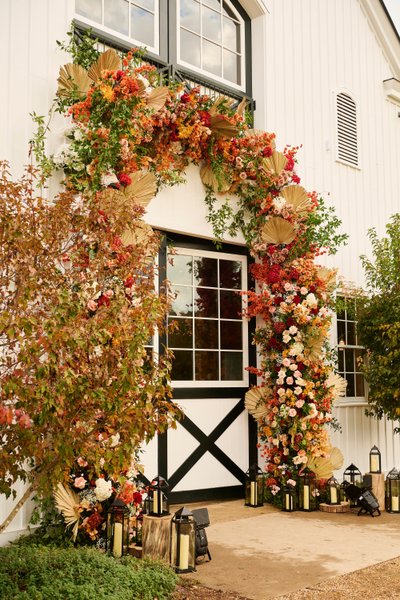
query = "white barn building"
x=324 y=74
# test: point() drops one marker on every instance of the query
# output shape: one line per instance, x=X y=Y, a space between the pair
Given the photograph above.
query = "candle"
x=395 y=503
x=155 y=503
x=253 y=493
x=287 y=501
x=374 y=464
x=183 y=551
x=333 y=491
x=306 y=497
x=117 y=540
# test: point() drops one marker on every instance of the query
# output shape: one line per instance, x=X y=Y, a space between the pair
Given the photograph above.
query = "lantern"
x=333 y=491
x=307 y=491
x=254 y=487
x=158 y=497
x=289 y=498
x=183 y=541
x=117 y=532
x=375 y=463
x=392 y=491
x=352 y=475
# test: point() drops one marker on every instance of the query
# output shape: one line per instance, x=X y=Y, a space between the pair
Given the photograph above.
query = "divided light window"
x=209 y=339
x=349 y=349
x=347 y=137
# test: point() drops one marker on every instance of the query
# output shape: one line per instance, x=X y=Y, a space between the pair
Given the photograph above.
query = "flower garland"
x=125 y=126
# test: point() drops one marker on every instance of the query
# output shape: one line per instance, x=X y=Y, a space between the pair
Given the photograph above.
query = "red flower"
x=279 y=326
x=297 y=300
x=205 y=117
x=296 y=178
x=289 y=164
x=274 y=274
x=129 y=281
x=124 y=179
x=137 y=498
x=185 y=98
x=103 y=300
x=267 y=151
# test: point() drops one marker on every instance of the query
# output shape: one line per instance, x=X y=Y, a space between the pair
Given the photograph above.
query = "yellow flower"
x=185 y=131
x=107 y=92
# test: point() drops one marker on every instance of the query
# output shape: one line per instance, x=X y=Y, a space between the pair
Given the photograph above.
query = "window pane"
x=212 y=59
x=231 y=35
x=91 y=9
x=360 y=385
x=213 y=3
x=190 y=48
x=231 y=366
x=230 y=305
x=190 y=15
x=142 y=26
x=179 y=269
x=149 y=4
x=182 y=365
x=206 y=303
x=349 y=360
x=341 y=360
x=231 y=335
x=206 y=366
x=351 y=333
x=211 y=24
x=183 y=303
x=232 y=67
x=350 y=391
x=182 y=335
x=116 y=15
x=230 y=274
x=358 y=354
x=205 y=272
x=206 y=333
x=341 y=332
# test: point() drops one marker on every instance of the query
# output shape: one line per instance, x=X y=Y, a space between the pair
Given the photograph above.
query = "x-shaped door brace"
x=207 y=444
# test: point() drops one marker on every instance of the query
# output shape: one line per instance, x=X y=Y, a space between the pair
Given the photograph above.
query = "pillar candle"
x=374 y=464
x=395 y=503
x=306 y=497
x=155 y=502
x=183 y=551
x=333 y=492
x=253 y=493
x=117 y=540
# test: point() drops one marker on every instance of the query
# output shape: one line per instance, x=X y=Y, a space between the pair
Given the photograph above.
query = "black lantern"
x=375 y=463
x=392 y=491
x=333 y=491
x=352 y=475
x=254 y=487
x=307 y=491
x=117 y=533
x=158 y=500
x=183 y=541
x=289 y=498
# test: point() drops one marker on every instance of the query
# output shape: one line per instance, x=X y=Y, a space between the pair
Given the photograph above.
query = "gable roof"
x=385 y=32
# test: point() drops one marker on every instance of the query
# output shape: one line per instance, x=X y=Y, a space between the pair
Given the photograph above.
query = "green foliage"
x=81 y=46
x=38 y=147
x=46 y=573
x=383 y=272
x=322 y=230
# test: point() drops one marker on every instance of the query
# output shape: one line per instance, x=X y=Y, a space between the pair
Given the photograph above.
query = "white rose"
x=103 y=489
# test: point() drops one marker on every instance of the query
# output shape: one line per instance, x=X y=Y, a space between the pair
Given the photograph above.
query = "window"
x=347 y=136
x=209 y=336
x=208 y=37
x=349 y=351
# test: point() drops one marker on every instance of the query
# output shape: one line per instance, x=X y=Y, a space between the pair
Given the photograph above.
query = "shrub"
x=49 y=573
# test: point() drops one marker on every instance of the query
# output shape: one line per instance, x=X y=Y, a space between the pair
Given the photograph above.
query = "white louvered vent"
x=346 y=114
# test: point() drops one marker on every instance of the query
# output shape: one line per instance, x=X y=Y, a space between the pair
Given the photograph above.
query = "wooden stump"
x=378 y=488
x=135 y=551
x=335 y=508
x=156 y=535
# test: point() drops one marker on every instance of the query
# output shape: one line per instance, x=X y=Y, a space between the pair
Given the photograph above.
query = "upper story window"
x=206 y=37
x=133 y=21
x=347 y=134
x=349 y=350
x=211 y=39
x=209 y=339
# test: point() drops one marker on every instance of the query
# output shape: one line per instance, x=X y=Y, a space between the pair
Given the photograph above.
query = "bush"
x=49 y=573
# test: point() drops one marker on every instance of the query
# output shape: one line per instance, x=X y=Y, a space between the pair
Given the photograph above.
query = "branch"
x=18 y=506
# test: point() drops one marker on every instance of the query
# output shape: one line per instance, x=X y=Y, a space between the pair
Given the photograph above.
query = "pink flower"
x=299 y=403
x=82 y=462
x=289 y=380
x=92 y=305
x=292 y=412
x=80 y=482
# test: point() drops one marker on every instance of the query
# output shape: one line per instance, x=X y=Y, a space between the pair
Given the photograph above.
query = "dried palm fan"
x=274 y=163
x=313 y=345
x=336 y=458
x=338 y=383
x=209 y=178
x=142 y=189
x=112 y=202
x=278 y=231
x=297 y=196
x=254 y=401
x=107 y=61
x=67 y=502
x=136 y=234
x=221 y=127
x=221 y=99
x=73 y=78
x=241 y=107
x=328 y=276
x=157 y=97
x=321 y=466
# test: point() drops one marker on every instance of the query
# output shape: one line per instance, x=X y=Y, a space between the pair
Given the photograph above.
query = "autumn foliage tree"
x=78 y=308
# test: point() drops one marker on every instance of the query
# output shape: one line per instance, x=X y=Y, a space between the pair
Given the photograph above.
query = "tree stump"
x=378 y=488
x=335 y=508
x=156 y=536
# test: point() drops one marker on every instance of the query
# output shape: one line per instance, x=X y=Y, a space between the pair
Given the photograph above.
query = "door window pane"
x=182 y=365
x=206 y=366
x=231 y=335
x=230 y=274
x=182 y=335
x=206 y=272
x=183 y=303
x=190 y=15
x=231 y=366
x=179 y=269
x=142 y=26
x=230 y=305
x=206 y=333
x=206 y=302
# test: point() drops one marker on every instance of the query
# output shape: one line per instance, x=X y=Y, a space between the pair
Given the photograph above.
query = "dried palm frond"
x=221 y=99
x=157 y=97
x=136 y=234
x=338 y=384
x=278 y=231
x=142 y=189
x=275 y=163
x=328 y=276
x=321 y=466
x=336 y=458
x=209 y=178
x=313 y=345
x=222 y=127
x=107 y=61
x=241 y=107
x=67 y=502
x=297 y=197
x=254 y=401
x=113 y=202
x=73 y=78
